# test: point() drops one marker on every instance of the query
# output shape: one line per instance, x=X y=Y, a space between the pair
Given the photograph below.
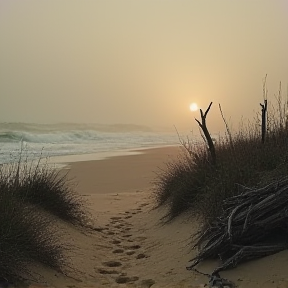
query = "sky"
x=140 y=61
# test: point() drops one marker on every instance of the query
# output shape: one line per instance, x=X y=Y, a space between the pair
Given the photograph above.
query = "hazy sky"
x=139 y=61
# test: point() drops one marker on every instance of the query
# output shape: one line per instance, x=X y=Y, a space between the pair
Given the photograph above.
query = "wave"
x=63 y=133
x=52 y=137
x=32 y=127
x=67 y=139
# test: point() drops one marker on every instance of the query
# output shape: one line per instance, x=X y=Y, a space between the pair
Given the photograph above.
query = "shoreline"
x=63 y=161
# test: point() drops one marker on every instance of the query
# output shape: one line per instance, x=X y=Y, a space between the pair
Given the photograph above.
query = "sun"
x=193 y=107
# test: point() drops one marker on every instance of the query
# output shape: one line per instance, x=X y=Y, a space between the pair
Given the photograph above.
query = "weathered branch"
x=263 y=113
x=203 y=126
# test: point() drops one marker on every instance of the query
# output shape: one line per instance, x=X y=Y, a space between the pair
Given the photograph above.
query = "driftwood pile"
x=253 y=224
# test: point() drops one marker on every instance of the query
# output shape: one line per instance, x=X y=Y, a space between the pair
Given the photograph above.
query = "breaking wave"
x=67 y=139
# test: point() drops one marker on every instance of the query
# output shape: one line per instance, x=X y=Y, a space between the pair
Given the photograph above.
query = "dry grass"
x=32 y=197
x=45 y=187
x=26 y=236
x=192 y=183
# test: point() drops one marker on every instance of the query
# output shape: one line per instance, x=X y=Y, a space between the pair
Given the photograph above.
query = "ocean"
x=35 y=141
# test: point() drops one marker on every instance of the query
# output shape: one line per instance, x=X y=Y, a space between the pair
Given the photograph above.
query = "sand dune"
x=131 y=247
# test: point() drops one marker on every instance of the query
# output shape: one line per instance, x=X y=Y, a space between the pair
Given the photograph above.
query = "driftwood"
x=253 y=224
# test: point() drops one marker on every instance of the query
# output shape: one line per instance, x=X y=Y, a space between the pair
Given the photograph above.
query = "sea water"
x=35 y=141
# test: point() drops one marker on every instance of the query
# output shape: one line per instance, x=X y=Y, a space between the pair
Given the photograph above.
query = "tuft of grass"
x=31 y=195
x=26 y=237
x=179 y=185
x=47 y=188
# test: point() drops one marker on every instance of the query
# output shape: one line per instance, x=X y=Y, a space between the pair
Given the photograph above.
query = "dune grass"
x=32 y=197
x=50 y=189
x=26 y=236
x=191 y=183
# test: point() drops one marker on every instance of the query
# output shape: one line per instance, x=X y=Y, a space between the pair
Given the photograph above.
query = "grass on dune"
x=179 y=184
x=191 y=183
x=32 y=197
x=26 y=237
x=45 y=187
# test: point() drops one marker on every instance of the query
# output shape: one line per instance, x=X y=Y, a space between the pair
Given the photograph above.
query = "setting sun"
x=193 y=107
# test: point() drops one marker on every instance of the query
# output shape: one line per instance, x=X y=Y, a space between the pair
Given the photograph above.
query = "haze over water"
x=139 y=62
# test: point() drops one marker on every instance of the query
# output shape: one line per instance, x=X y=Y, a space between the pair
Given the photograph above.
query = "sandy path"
x=131 y=247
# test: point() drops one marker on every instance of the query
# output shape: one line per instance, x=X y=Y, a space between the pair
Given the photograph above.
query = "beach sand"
x=132 y=247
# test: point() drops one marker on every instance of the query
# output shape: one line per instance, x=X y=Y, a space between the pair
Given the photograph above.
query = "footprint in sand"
x=127 y=252
x=125 y=279
x=141 y=256
x=130 y=252
x=116 y=251
x=143 y=204
x=136 y=211
x=126 y=229
x=116 y=218
x=112 y=264
x=119 y=226
x=133 y=247
x=140 y=238
x=147 y=283
x=97 y=229
x=127 y=235
x=104 y=271
x=116 y=242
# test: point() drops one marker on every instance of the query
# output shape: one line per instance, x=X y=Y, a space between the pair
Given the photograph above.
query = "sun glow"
x=193 y=107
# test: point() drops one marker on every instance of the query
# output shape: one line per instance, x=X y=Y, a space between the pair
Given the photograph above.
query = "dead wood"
x=263 y=116
x=253 y=224
x=207 y=135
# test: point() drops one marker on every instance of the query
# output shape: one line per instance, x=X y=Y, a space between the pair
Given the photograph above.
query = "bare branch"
x=198 y=122
x=264 y=112
x=203 y=126
x=208 y=109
